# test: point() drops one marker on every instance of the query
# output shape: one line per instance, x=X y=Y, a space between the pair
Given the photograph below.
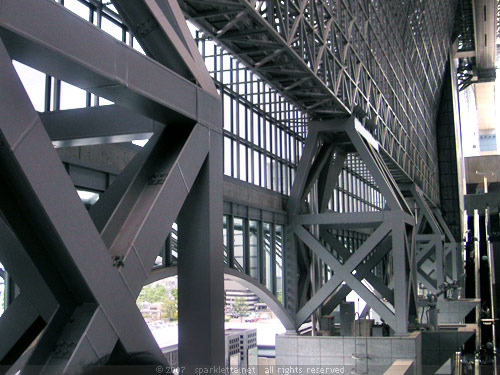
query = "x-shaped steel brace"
x=97 y=307
x=343 y=272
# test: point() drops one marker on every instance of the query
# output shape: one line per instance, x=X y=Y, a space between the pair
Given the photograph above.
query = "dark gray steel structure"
x=349 y=88
x=380 y=60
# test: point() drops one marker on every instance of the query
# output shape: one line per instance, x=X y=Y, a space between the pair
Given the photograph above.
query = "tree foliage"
x=171 y=304
x=239 y=306
x=152 y=294
x=159 y=293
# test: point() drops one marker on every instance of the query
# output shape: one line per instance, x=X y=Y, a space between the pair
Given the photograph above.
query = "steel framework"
x=80 y=272
x=380 y=60
x=390 y=231
x=439 y=258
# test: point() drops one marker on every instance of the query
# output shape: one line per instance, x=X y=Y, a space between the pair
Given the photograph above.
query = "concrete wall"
x=438 y=347
x=455 y=311
x=351 y=355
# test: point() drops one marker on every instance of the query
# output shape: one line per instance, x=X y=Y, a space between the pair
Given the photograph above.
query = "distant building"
x=241 y=349
x=152 y=311
x=235 y=290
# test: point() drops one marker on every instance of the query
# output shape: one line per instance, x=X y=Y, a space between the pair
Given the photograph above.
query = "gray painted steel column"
x=201 y=267
x=400 y=277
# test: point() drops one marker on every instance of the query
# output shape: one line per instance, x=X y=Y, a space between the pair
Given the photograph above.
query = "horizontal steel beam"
x=344 y=220
x=350 y=219
x=97 y=125
x=117 y=72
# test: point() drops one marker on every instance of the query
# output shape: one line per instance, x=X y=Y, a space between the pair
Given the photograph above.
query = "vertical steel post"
x=201 y=268
x=477 y=266
x=401 y=277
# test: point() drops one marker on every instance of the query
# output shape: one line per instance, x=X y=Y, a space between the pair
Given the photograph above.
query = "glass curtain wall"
x=263 y=132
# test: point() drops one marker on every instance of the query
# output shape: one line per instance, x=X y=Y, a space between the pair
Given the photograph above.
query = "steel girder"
x=81 y=273
x=391 y=231
x=380 y=60
x=160 y=28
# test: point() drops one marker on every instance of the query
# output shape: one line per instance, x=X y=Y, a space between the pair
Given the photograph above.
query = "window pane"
x=238 y=244
x=78 y=8
x=243 y=162
x=235 y=159
x=72 y=97
x=254 y=249
x=227 y=156
x=242 y=121
x=173 y=243
x=256 y=168
x=225 y=239
x=34 y=84
x=111 y=28
x=279 y=262
x=227 y=112
x=267 y=256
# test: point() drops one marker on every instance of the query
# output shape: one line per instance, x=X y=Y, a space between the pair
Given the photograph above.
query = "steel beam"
x=425 y=209
x=401 y=270
x=396 y=217
x=317 y=299
x=380 y=177
x=163 y=34
x=364 y=271
x=323 y=157
x=108 y=202
x=19 y=324
x=355 y=58
x=424 y=251
x=328 y=179
x=290 y=260
x=117 y=73
x=432 y=233
x=156 y=195
x=344 y=274
x=24 y=272
x=97 y=125
x=344 y=220
x=294 y=202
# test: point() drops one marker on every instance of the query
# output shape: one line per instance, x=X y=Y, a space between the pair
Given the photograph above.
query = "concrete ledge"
x=400 y=367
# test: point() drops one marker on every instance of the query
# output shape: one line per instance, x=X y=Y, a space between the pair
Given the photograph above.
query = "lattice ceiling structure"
x=383 y=61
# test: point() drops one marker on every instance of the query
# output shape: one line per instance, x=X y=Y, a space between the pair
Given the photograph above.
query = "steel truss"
x=391 y=231
x=380 y=60
x=438 y=256
x=80 y=273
